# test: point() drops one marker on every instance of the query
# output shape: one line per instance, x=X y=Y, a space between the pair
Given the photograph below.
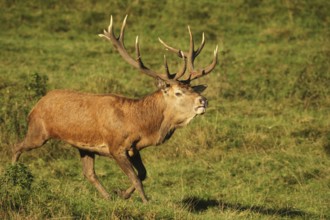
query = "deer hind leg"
x=87 y=159
x=36 y=136
x=126 y=165
x=140 y=168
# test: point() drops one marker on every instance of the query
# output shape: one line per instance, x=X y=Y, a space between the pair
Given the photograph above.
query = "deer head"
x=182 y=96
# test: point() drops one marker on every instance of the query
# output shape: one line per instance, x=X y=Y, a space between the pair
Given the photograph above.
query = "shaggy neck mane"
x=151 y=106
x=150 y=112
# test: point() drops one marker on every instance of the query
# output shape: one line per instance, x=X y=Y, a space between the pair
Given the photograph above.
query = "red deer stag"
x=115 y=126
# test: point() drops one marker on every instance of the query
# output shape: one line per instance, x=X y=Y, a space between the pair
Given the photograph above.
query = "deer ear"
x=199 y=88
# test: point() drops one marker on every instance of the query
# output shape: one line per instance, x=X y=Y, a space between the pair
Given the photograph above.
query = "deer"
x=119 y=127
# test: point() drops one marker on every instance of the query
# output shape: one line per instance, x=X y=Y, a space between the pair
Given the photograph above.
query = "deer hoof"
x=122 y=194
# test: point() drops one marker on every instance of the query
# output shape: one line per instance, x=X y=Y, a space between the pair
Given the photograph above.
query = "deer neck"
x=154 y=119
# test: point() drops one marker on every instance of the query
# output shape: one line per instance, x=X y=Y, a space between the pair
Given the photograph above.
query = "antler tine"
x=206 y=70
x=180 y=73
x=214 y=62
x=122 y=30
x=169 y=75
x=191 y=53
x=176 y=51
x=183 y=69
x=110 y=26
x=137 y=50
x=201 y=46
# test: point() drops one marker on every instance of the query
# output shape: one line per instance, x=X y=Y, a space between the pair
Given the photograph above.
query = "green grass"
x=261 y=151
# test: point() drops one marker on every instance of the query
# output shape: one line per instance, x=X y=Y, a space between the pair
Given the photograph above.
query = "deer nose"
x=203 y=101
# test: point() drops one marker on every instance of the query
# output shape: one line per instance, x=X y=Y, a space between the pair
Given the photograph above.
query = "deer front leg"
x=87 y=159
x=136 y=161
x=126 y=164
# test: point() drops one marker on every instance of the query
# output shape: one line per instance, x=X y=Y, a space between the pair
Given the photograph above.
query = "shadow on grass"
x=195 y=204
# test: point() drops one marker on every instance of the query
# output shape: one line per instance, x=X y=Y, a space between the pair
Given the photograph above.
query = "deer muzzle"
x=201 y=105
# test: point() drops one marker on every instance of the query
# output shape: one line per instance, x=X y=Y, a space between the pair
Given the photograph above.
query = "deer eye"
x=178 y=94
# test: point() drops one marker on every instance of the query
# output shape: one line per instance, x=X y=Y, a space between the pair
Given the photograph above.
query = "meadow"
x=261 y=150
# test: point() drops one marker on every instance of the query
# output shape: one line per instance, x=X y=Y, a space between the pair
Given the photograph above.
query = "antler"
x=118 y=43
x=191 y=55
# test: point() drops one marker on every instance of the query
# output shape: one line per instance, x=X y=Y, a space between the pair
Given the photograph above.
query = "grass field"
x=261 y=151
